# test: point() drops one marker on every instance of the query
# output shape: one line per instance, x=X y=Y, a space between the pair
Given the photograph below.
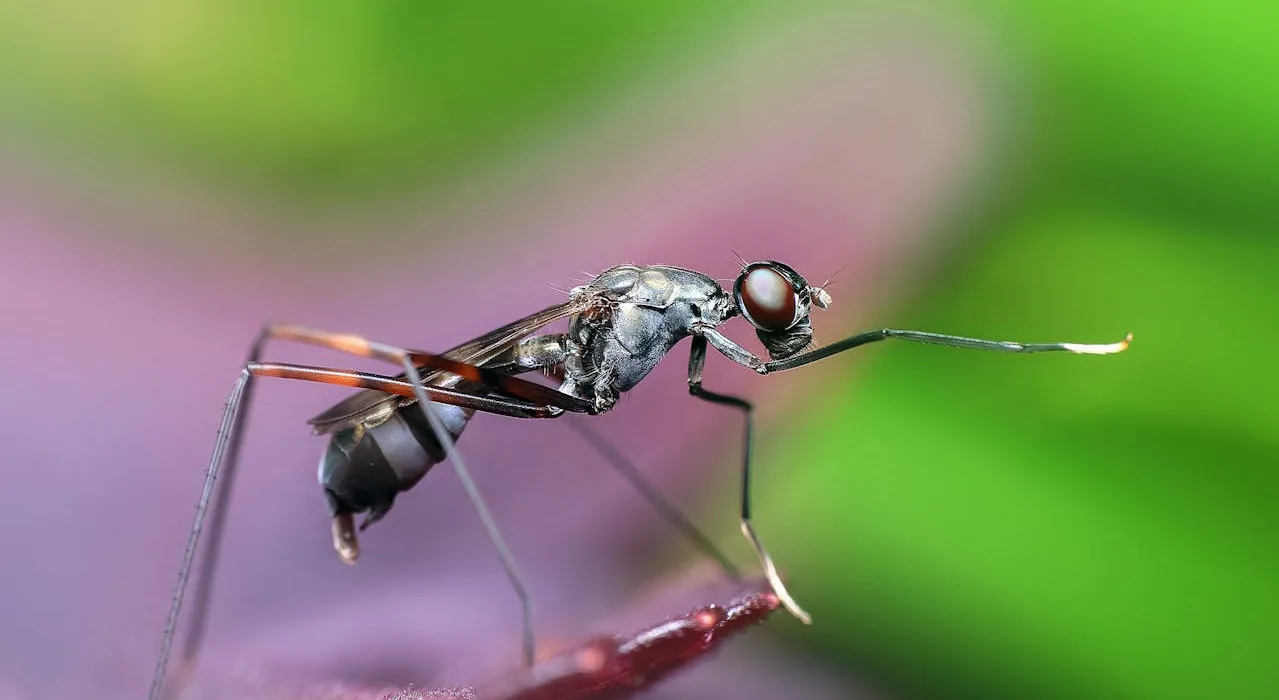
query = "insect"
x=385 y=438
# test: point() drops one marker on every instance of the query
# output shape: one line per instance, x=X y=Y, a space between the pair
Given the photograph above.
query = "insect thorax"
x=636 y=316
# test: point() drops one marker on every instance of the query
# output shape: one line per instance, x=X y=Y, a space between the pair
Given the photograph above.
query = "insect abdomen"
x=364 y=468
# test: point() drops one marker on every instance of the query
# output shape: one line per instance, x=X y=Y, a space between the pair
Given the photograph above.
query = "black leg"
x=481 y=509
x=669 y=511
x=735 y=352
x=696 y=362
x=226 y=448
x=953 y=341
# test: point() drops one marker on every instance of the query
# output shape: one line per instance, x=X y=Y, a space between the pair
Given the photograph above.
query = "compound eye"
x=768 y=299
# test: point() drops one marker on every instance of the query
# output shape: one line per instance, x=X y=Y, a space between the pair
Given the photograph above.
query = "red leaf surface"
x=611 y=668
x=601 y=668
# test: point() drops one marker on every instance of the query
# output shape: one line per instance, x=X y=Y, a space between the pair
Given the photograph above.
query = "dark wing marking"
x=477 y=351
x=484 y=348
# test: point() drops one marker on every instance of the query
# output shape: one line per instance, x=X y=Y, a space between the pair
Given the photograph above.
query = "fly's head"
x=777 y=300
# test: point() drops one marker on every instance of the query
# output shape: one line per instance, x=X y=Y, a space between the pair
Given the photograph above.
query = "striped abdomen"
x=365 y=467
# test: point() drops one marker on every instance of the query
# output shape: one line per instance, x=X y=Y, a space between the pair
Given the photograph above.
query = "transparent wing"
x=477 y=351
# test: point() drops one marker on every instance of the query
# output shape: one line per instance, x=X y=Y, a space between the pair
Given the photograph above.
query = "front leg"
x=744 y=357
x=729 y=349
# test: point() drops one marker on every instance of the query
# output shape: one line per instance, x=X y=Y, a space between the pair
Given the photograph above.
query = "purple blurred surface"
x=123 y=327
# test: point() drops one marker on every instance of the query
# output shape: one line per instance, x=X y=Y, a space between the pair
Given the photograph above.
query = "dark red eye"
x=768 y=299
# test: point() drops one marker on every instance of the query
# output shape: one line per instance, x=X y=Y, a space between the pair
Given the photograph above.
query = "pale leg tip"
x=788 y=602
x=774 y=580
x=1099 y=348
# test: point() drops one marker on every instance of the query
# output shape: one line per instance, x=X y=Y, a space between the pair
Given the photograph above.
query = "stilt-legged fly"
x=621 y=324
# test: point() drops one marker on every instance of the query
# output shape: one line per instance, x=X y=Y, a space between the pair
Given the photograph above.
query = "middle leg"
x=696 y=362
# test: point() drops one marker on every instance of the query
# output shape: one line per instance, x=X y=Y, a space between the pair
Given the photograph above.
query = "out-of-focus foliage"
x=324 y=98
x=1060 y=526
x=1170 y=107
x=1055 y=526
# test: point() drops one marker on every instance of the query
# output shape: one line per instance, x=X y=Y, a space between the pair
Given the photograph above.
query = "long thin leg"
x=477 y=500
x=735 y=352
x=225 y=458
x=323 y=375
x=696 y=362
x=350 y=378
x=954 y=341
x=226 y=448
x=409 y=360
x=664 y=507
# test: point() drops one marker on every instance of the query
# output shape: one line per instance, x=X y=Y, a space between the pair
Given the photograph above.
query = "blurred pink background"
x=127 y=309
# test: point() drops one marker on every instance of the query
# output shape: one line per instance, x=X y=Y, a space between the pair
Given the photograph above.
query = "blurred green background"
x=1111 y=525
x=960 y=525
